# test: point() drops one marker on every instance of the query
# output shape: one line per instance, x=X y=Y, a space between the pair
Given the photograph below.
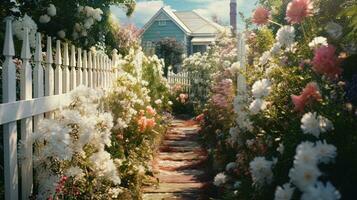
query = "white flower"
x=325 y=124
x=20 y=25
x=51 y=10
x=220 y=179
x=304 y=176
x=275 y=48
x=170 y=103
x=325 y=152
x=261 y=170
x=284 y=193
x=158 y=101
x=305 y=154
x=74 y=172
x=285 y=36
x=318 y=41
x=256 y=106
x=231 y=166
x=104 y=166
x=61 y=34
x=264 y=58
x=311 y=124
x=88 y=23
x=281 y=148
x=321 y=192
x=334 y=30
x=114 y=192
x=261 y=88
x=44 y=19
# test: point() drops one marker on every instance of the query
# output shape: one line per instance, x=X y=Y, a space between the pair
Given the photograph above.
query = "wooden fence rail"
x=44 y=86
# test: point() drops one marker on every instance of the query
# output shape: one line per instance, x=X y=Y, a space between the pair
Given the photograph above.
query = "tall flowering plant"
x=138 y=103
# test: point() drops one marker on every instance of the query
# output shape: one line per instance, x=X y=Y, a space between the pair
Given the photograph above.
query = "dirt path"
x=179 y=165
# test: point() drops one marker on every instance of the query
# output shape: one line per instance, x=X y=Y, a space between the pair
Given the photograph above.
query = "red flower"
x=325 y=62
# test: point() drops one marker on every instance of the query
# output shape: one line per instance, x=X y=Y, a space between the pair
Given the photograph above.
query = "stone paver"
x=179 y=165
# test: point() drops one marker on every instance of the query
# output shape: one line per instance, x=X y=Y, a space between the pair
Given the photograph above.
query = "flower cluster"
x=260 y=89
x=79 y=134
x=222 y=93
x=305 y=172
x=21 y=24
x=90 y=15
x=51 y=12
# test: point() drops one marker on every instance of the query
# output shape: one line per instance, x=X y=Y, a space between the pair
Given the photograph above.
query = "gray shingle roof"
x=196 y=23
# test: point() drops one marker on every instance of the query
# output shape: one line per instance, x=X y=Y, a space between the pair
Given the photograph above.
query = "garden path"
x=179 y=165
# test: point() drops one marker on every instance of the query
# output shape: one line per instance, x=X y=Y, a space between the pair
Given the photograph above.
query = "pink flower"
x=261 y=16
x=183 y=97
x=150 y=110
x=309 y=93
x=326 y=62
x=150 y=123
x=145 y=123
x=297 y=10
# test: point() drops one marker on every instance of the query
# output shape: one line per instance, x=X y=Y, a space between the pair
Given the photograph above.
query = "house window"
x=162 y=22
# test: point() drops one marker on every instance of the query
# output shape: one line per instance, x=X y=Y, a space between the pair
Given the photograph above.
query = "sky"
x=145 y=9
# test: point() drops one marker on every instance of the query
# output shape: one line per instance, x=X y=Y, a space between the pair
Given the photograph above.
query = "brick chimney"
x=233 y=15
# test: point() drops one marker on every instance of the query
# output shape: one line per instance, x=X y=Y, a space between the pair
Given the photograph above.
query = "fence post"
x=38 y=77
x=66 y=73
x=84 y=67
x=241 y=87
x=26 y=124
x=79 y=67
x=58 y=71
x=90 y=68
x=73 y=68
x=9 y=129
x=49 y=82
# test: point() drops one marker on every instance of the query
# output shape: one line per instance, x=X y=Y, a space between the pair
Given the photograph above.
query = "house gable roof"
x=169 y=13
x=190 y=22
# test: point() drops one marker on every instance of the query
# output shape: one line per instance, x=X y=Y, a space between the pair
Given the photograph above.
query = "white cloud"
x=221 y=9
x=142 y=14
x=216 y=8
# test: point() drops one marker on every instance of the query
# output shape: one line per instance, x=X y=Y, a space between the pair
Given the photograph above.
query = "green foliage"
x=265 y=40
x=66 y=17
x=171 y=51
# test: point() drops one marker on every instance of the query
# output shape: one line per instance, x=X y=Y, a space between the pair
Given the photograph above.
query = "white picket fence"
x=42 y=91
x=181 y=78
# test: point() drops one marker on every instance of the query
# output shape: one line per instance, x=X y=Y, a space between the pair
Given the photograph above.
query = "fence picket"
x=49 y=73
x=79 y=67
x=9 y=129
x=26 y=124
x=38 y=77
x=66 y=72
x=58 y=70
x=85 y=69
x=73 y=68
x=90 y=69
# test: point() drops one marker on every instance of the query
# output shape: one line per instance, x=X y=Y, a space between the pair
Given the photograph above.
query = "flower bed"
x=291 y=134
x=99 y=145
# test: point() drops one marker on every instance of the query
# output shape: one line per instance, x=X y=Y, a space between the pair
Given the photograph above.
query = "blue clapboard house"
x=188 y=27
